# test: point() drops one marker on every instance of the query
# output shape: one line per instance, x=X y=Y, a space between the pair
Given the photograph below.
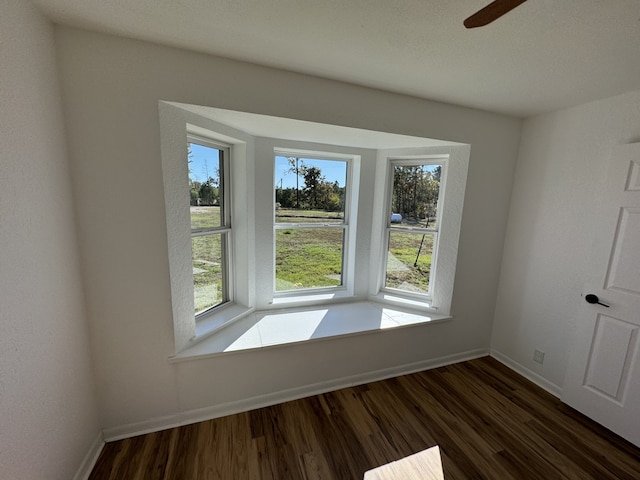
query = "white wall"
x=563 y=157
x=48 y=413
x=111 y=89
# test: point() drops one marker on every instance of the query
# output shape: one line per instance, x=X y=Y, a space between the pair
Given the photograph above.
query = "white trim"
x=290 y=326
x=441 y=160
x=216 y=319
x=421 y=304
x=175 y=125
x=224 y=229
x=539 y=380
x=90 y=459
x=318 y=296
x=348 y=223
x=450 y=205
x=230 y=408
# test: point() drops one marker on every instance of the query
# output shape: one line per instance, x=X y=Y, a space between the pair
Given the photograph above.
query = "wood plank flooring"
x=489 y=422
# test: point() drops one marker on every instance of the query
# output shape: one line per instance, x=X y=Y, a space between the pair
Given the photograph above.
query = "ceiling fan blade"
x=491 y=12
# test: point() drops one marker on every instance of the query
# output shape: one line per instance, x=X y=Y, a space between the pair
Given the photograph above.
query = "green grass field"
x=206 y=259
x=306 y=257
x=311 y=257
x=406 y=269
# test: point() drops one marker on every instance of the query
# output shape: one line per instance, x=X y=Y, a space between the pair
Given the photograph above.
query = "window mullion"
x=412 y=230
x=209 y=231
x=289 y=226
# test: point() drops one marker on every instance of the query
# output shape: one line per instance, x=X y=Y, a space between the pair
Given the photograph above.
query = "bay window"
x=352 y=218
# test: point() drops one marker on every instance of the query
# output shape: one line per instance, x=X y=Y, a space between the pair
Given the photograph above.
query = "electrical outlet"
x=538 y=356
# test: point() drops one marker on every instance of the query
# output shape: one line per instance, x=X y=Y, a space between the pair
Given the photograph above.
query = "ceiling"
x=542 y=56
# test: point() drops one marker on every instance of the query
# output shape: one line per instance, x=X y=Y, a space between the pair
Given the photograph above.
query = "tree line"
x=204 y=193
x=316 y=193
x=415 y=192
x=208 y=192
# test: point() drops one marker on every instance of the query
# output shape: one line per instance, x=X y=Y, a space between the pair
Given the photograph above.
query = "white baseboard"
x=542 y=382
x=215 y=411
x=90 y=459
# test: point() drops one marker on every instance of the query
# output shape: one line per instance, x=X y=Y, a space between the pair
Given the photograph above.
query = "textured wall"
x=111 y=89
x=563 y=158
x=48 y=414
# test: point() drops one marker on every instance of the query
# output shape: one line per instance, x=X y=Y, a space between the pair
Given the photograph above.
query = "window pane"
x=208 y=271
x=308 y=258
x=409 y=261
x=415 y=195
x=205 y=185
x=310 y=190
x=204 y=217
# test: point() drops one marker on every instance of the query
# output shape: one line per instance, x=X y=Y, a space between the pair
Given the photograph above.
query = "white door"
x=603 y=375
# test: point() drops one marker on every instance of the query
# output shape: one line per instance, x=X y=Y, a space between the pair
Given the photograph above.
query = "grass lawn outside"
x=306 y=257
x=409 y=265
x=206 y=258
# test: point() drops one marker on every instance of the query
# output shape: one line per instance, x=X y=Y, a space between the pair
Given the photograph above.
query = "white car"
x=396 y=218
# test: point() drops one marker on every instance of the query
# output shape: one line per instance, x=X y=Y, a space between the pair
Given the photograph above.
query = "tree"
x=316 y=193
x=286 y=197
x=416 y=189
x=194 y=192
x=295 y=165
x=207 y=193
x=313 y=179
x=334 y=203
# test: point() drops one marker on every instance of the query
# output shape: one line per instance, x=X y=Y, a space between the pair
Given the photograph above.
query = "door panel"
x=625 y=263
x=634 y=176
x=603 y=375
x=610 y=357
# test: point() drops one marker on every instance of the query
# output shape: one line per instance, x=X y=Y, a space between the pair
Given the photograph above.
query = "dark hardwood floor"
x=489 y=422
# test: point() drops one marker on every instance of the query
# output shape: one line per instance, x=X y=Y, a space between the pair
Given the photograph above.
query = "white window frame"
x=176 y=124
x=348 y=246
x=450 y=207
x=251 y=160
x=224 y=230
x=413 y=161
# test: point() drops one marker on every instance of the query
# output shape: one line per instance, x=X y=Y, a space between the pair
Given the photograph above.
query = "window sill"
x=310 y=298
x=218 y=319
x=421 y=305
x=268 y=329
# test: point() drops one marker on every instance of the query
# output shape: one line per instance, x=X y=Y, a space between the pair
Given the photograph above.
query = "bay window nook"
x=284 y=231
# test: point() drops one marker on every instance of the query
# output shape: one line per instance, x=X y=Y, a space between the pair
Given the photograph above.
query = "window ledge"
x=267 y=329
x=293 y=300
x=421 y=305
x=218 y=319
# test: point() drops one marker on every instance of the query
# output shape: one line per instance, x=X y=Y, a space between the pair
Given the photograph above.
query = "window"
x=271 y=221
x=412 y=225
x=210 y=223
x=311 y=224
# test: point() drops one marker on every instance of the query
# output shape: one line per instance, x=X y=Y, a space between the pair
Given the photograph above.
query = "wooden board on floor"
x=489 y=423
